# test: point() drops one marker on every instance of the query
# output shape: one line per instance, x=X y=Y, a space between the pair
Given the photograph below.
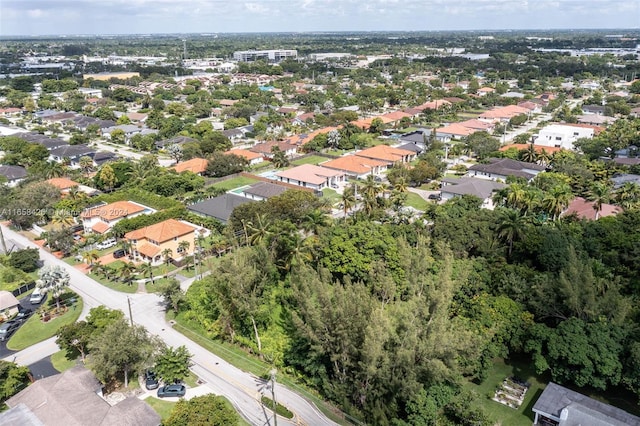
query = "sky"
x=45 y=17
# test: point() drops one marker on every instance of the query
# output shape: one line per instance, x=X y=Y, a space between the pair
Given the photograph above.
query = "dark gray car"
x=7 y=329
x=171 y=390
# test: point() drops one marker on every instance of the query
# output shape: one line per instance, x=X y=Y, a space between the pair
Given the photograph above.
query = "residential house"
x=129 y=131
x=559 y=406
x=265 y=148
x=13 y=174
x=149 y=243
x=100 y=219
x=596 y=119
x=501 y=168
x=303 y=119
x=388 y=154
x=252 y=157
x=8 y=112
x=484 y=91
x=411 y=147
x=481 y=188
x=65 y=184
x=310 y=176
x=593 y=109
x=504 y=113
x=538 y=148
x=562 y=136
x=71 y=153
x=456 y=131
x=101 y=157
x=219 y=208
x=305 y=138
x=74 y=398
x=420 y=136
x=46 y=141
x=8 y=305
x=196 y=165
x=356 y=166
x=233 y=134
x=621 y=179
x=263 y=191
x=585 y=209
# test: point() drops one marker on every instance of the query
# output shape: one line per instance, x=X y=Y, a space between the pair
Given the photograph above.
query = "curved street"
x=241 y=388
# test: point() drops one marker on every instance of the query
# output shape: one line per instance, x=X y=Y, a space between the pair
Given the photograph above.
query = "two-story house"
x=100 y=219
x=156 y=242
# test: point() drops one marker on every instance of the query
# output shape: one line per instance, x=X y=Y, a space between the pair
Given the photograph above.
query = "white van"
x=36 y=296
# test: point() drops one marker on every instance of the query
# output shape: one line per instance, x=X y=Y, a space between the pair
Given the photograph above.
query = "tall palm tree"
x=348 y=199
x=126 y=272
x=401 y=185
x=515 y=196
x=314 y=221
x=86 y=165
x=544 y=158
x=258 y=229
x=146 y=269
x=512 y=227
x=599 y=193
x=371 y=188
x=63 y=219
x=556 y=200
x=183 y=247
x=53 y=170
x=167 y=254
x=90 y=257
x=530 y=155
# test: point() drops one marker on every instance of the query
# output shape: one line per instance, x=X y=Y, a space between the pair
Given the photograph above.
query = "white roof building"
x=562 y=136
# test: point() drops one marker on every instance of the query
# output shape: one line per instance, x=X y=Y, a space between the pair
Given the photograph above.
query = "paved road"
x=240 y=387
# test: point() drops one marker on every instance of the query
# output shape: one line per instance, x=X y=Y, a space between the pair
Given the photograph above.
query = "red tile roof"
x=161 y=232
x=244 y=153
x=148 y=250
x=385 y=153
x=195 y=165
x=114 y=210
x=100 y=227
x=585 y=209
x=354 y=164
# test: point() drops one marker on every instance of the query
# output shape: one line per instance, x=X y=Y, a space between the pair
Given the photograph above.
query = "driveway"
x=25 y=304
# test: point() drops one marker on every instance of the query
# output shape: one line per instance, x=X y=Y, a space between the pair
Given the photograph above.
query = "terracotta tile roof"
x=433 y=104
x=354 y=164
x=62 y=183
x=148 y=250
x=384 y=153
x=585 y=209
x=363 y=123
x=244 y=153
x=161 y=232
x=596 y=129
x=195 y=165
x=309 y=173
x=265 y=147
x=114 y=210
x=486 y=89
x=457 y=129
x=306 y=138
x=476 y=124
x=508 y=111
x=100 y=228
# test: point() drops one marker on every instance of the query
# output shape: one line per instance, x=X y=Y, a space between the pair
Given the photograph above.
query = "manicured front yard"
x=60 y=361
x=162 y=407
x=235 y=182
x=331 y=194
x=416 y=201
x=34 y=330
x=115 y=285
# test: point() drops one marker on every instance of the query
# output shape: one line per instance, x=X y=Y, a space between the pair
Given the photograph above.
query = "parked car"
x=23 y=315
x=119 y=253
x=434 y=196
x=7 y=329
x=36 y=297
x=106 y=244
x=171 y=390
x=150 y=380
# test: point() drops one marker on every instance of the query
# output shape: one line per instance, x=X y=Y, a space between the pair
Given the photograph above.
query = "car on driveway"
x=23 y=315
x=150 y=380
x=36 y=297
x=7 y=329
x=119 y=253
x=171 y=390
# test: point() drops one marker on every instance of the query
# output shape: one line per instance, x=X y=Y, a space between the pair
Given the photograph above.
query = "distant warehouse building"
x=272 y=56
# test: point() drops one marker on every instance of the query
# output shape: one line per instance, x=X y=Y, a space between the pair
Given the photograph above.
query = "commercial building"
x=272 y=56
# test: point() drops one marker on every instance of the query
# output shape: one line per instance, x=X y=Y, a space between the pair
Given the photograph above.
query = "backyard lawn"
x=312 y=159
x=332 y=195
x=34 y=330
x=235 y=182
x=162 y=407
x=500 y=413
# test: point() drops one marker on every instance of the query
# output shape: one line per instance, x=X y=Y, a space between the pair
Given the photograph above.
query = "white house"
x=499 y=169
x=562 y=136
x=310 y=176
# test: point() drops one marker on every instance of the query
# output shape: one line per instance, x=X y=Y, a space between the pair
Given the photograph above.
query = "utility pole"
x=4 y=243
x=130 y=313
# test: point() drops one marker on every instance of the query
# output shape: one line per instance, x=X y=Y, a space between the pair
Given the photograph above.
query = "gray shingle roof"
x=580 y=409
x=219 y=207
x=13 y=172
x=265 y=189
x=508 y=167
x=480 y=188
x=72 y=151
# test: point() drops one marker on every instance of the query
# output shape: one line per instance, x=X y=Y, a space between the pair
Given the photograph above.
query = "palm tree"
x=512 y=226
x=259 y=229
x=530 y=155
x=371 y=188
x=62 y=218
x=299 y=254
x=515 y=196
x=401 y=185
x=556 y=200
x=600 y=194
x=53 y=170
x=146 y=268
x=90 y=257
x=126 y=272
x=314 y=221
x=166 y=255
x=544 y=158
x=348 y=199
x=628 y=195
x=86 y=165
x=183 y=247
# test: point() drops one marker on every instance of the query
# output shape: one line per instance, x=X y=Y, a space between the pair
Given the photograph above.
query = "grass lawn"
x=240 y=359
x=60 y=361
x=312 y=159
x=332 y=195
x=114 y=285
x=500 y=413
x=235 y=182
x=34 y=330
x=416 y=201
x=191 y=380
x=162 y=407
